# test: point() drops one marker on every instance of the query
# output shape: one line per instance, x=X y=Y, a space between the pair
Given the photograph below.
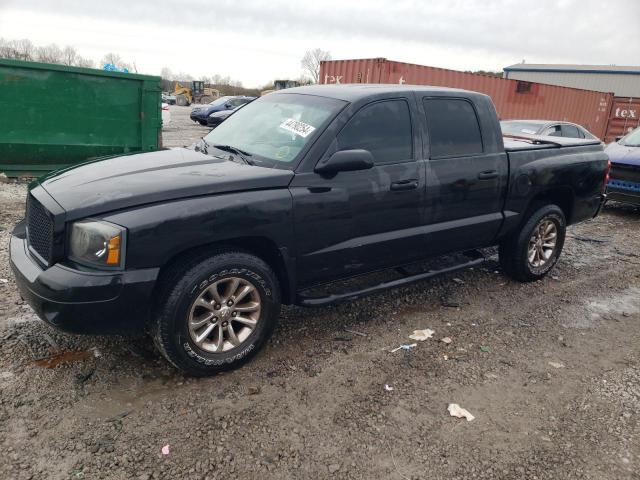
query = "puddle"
x=625 y=303
x=63 y=357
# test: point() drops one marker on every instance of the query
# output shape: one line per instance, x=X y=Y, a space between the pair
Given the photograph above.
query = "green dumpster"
x=54 y=116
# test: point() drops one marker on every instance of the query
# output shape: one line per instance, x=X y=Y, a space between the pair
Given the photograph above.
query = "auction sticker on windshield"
x=296 y=126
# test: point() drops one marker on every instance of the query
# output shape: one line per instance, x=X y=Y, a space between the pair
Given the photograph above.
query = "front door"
x=364 y=220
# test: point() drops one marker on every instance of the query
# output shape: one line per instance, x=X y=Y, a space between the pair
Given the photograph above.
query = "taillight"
x=606 y=176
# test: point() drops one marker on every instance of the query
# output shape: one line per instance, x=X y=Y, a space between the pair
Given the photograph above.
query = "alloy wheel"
x=224 y=315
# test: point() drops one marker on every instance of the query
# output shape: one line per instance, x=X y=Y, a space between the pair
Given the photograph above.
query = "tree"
x=25 y=50
x=311 y=63
x=49 y=54
x=166 y=73
x=84 y=62
x=69 y=56
x=115 y=59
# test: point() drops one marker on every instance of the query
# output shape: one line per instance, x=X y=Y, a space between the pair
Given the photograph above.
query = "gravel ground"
x=550 y=370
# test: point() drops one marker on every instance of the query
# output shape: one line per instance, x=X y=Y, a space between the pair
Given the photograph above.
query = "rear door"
x=358 y=221
x=466 y=182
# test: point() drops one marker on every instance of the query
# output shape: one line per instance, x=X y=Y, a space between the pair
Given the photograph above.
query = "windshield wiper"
x=241 y=153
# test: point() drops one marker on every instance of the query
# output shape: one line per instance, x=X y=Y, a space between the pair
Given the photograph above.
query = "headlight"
x=97 y=244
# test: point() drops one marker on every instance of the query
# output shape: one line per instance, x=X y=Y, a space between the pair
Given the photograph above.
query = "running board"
x=309 y=301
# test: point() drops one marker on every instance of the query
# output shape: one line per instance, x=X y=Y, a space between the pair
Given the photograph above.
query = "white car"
x=166 y=114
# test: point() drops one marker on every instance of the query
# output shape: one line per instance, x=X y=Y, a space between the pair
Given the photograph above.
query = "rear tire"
x=530 y=253
x=197 y=327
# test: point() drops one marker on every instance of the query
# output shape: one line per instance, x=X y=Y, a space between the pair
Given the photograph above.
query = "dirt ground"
x=550 y=370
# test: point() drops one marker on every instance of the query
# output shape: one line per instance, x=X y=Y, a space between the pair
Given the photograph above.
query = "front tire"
x=216 y=312
x=531 y=253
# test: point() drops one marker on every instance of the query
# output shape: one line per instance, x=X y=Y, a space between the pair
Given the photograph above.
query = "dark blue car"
x=201 y=113
x=624 y=179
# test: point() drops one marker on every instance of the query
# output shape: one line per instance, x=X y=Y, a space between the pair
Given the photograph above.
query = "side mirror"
x=618 y=138
x=228 y=105
x=346 y=161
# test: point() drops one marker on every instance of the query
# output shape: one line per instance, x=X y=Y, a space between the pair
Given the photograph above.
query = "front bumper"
x=82 y=301
x=198 y=117
x=623 y=191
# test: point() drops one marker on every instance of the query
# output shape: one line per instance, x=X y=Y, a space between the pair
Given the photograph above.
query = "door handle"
x=404 y=185
x=488 y=175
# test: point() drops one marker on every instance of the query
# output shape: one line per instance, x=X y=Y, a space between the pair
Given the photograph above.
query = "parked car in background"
x=166 y=114
x=624 y=178
x=297 y=191
x=546 y=128
x=201 y=114
x=216 y=118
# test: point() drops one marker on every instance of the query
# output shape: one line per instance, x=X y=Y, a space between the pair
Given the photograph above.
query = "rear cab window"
x=454 y=130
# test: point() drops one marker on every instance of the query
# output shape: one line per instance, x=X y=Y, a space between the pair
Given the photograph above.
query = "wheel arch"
x=262 y=247
x=562 y=196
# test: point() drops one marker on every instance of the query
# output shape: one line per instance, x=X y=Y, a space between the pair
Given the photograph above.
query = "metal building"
x=621 y=81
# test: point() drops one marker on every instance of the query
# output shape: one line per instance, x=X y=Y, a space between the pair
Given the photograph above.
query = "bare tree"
x=112 y=58
x=84 y=62
x=311 y=63
x=166 y=73
x=24 y=49
x=49 y=54
x=69 y=56
x=7 y=50
x=117 y=60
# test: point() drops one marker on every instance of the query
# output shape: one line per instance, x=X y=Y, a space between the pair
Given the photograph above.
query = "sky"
x=256 y=41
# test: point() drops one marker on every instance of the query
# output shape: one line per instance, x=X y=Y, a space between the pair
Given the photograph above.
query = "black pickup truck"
x=304 y=187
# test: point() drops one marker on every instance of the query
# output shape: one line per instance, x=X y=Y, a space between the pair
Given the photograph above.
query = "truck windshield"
x=632 y=139
x=273 y=130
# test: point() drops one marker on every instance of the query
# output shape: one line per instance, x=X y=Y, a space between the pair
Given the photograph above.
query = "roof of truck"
x=357 y=91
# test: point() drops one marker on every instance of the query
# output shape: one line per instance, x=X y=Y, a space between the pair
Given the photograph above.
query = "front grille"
x=39 y=228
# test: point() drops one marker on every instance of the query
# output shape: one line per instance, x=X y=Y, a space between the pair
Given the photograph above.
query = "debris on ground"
x=557 y=364
x=360 y=334
x=446 y=340
x=459 y=281
x=589 y=239
x=422 y=335
x=485 y=349
x=449 y=303
x=254 y=390
x=83 y=377
x=119 y=416
x=456 y=410
x=342 y=338
x=404 y=347
x=165 y=449
x=4 y=280
x=388 y=388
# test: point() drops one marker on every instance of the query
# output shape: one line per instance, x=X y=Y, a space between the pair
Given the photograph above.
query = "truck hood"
x=623 y=154
x=125 y=181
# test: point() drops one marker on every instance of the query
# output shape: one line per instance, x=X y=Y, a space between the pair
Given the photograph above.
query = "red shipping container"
x=514 y=99
x=625 y=116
